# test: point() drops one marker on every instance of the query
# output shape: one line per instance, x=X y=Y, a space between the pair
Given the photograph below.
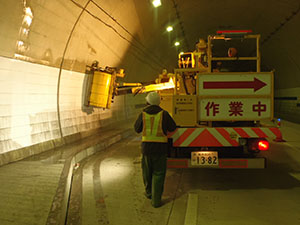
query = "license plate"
x=204 y=158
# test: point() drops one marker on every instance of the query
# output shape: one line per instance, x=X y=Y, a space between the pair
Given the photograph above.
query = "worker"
x=201 y=45
x=201 y=50
x=154 y=123
x=163 y=77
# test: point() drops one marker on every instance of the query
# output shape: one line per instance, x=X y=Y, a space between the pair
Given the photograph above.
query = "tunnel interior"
x=47 y=45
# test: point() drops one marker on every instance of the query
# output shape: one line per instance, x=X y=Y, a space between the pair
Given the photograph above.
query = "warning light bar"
x=234 y=31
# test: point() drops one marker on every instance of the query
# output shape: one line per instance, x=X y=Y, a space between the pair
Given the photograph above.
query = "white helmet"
x=153 y=98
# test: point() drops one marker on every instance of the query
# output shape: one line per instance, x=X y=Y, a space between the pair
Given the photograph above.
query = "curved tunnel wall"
x=281 y=51
x=45 y=47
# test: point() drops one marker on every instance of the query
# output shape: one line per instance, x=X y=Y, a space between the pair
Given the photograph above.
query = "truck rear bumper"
x=220 y=137
x=228 y=163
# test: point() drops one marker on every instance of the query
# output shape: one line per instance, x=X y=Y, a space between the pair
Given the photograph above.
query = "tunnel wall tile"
x=28 y=116
x=287 y=104
x=28 y=87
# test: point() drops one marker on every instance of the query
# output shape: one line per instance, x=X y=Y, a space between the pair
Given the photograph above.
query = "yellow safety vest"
x=152 y=128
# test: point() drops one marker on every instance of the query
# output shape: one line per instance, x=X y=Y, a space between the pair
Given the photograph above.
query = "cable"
x=180 y=23
x=281 y=25
x=61 y=65
x=121 y=36
x=128 y=32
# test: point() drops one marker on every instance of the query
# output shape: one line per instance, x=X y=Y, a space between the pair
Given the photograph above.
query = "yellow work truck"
x=220 y=99
x=222 y=103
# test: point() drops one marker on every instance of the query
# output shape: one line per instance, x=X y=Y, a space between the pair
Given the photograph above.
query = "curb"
x=58 y=211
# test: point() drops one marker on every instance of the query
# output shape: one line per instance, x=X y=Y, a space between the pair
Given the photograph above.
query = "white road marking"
x=191 y=210
x=295 y=175
x=89 y=215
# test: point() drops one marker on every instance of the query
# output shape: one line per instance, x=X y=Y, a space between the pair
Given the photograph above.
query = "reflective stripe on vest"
x=152 y=128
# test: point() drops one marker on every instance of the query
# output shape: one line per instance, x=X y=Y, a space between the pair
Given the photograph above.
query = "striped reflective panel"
x=219 y=137
x=181 y=134
x=250 y=132
x=198 y=137
x=227 y=136
x=241 y=132
x=192 y=137
x=205 y=139
x=269 y=133
x=259 y=132
x=276 y=131
x=232 y=132
x=177 y=133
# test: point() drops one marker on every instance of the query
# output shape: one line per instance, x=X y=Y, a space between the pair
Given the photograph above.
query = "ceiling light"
x=177 y=43
x=28 y=11
x=156 y=3
x=169 y=28
x=20 y=43
x=27 y=20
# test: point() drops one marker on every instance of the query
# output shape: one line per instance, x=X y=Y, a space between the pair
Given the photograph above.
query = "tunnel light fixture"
x=27 y=20
x=28 y=16
x=28 y=11
x=177 y=43
x=169 y=28
x=25 y=31
x=156 y=3
x=20 y=43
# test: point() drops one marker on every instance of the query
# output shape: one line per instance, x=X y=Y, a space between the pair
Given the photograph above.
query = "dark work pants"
x=154 y=171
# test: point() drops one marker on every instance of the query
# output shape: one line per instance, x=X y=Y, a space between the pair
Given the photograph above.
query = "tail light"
x=263 y=145
x=257 y=145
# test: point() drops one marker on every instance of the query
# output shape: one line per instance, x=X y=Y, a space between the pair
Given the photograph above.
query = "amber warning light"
x=263 y=145
x=234 y=31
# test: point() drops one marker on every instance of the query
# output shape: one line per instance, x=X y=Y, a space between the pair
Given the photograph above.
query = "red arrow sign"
x=255 y=84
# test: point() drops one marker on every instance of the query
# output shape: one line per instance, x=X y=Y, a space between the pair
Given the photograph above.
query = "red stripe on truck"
x=184 y=136
x=226 y=135
x=259 y=132
x=233 y=163
x=241 y=132
x=177 y=163
x=276 y=131
x=205 y=139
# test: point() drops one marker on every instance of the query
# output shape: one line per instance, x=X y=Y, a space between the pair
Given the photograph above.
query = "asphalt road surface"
x=107 y=189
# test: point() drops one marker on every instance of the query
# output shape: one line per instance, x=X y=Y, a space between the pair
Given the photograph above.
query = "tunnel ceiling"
x=278 y=22
x=70 y=34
